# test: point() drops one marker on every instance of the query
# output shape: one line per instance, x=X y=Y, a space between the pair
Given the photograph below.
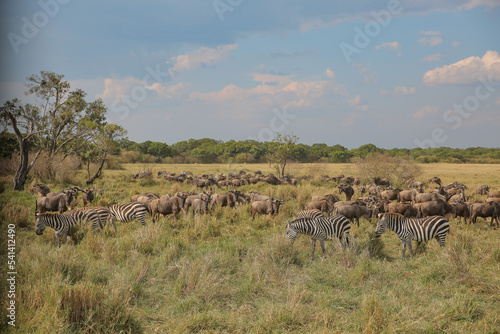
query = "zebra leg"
x=409 y=247
x=403 y=248
x=313 y=246
x=322 y=244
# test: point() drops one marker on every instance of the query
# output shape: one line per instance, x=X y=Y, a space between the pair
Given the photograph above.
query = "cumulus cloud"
x=204 y=56
x=399 y=91
x=424 y=111
x=430 y=41
x=391 y=46
x=431 y=58
x=329 y=73
x=465 y=71
x=357 y=103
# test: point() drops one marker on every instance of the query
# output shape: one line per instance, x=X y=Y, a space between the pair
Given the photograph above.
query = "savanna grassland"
x=224 y=273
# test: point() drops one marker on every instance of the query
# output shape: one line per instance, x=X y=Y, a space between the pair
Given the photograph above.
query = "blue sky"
x=420 y=73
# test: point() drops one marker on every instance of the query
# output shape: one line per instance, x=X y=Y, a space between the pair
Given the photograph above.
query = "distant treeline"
x=208 y=150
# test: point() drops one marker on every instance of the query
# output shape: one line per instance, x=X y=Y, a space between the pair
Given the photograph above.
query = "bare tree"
x=281 y=150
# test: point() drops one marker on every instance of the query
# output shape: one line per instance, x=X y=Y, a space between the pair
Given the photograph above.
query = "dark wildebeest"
x=416 y=185
x=255 y=196
x=347 y=190
x=41 y=189
x=200 y=205
x=434 y=208
x=458 y=198
x=173 y=205
x=495 y=193
x=435 y=180
x=59 y=203
x=462 y=210
x=88 y=196
x=405 y=209
x=483 y=190
x=390 y=195
x=190 y=199
x=485 y=210
x=267 y=207
x=322 y=205
x=381 y=181
x=271 y=179
x=427 y=197
x=228 y=199
x=354 y=211
x=330 y=198
x=407 y=195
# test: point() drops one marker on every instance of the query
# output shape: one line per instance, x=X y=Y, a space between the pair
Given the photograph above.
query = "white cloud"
x=170 y=92
x=424 y=111
x=475 y=3
x=430 y=41
x=465 y=71
x=202 y=57
x=400 y=91
x=357 y=103
x=431 y=58
x=329 y=73
x=455 y=43
x=369 y=76
x=392 y=46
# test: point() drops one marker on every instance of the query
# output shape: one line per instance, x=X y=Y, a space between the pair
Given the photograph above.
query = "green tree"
x=280 y=151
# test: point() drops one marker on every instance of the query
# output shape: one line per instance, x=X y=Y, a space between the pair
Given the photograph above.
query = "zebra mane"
x=390 y=214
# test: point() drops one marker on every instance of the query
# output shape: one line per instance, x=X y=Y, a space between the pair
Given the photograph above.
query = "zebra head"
x=291 y=233
x=381 y=226
x=40 y=225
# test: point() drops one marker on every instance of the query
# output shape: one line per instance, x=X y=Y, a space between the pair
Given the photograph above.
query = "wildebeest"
x=255 y=196
x=485 y=210
x=202 y=182
x=435 y=180
x=427 y=197
x=407 y=195
x=88 y=196
x=390 y=195
x=434 y=208
x=41 y=189
x=191 y=198
x=381 y=181
x=323 y=206
x=270 y=206
x=347 y=190
x=458 y=198
x=495 y=193
x=59 y=203
x=200 y=205
x=228 y=199
x=354 y=211
x=173 y=205
x=330 y=198
x=405 y=209
x=416 y=185
x=483 y=190
x=462 y=210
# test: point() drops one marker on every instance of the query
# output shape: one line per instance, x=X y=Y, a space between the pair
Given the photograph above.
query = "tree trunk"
x=98 y=173
x=22 y=170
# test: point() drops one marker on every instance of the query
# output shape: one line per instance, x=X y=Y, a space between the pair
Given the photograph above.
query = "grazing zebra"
x=313 y=213
x=320 y=229
x=408 y=229
x=104 y=214
x=61 y=223
x=128 y=212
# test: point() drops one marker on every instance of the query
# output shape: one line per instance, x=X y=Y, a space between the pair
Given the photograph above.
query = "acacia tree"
x=61 y=121
x=22 y=119
x=280 y=151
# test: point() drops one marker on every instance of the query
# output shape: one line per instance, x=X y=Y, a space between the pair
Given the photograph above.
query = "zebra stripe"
x=128 y=212
x=419 y=229
x=104 y=214
x=320 y=228
x=61 y=223
x=313 y=214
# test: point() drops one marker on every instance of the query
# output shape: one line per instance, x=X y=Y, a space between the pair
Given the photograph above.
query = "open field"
x=224 y=273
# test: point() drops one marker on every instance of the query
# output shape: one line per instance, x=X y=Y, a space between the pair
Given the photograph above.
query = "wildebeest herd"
x=413 y=213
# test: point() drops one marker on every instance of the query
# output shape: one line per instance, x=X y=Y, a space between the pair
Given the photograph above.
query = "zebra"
x=104 y=215
x=320 y=228
x=408 y=229
x=313 y=213
x=61 y=223
x=128 y=212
